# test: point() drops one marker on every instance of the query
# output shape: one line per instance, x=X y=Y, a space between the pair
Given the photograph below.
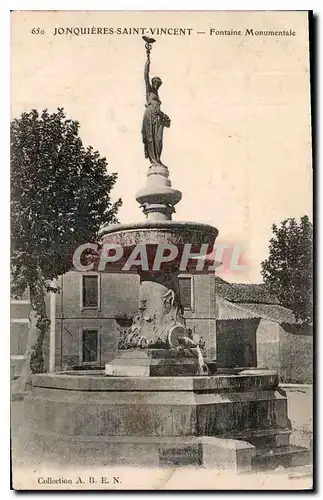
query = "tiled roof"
x=241 y=310
x=245 y=293
x=273 y=312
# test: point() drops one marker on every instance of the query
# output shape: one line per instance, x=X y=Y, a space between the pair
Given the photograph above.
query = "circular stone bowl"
x=156 y=232
x=149 y=235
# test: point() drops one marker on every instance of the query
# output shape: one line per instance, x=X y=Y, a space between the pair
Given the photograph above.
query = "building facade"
x=91 y=310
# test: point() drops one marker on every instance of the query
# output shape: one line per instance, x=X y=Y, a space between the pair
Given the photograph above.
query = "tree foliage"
x=60 y=195
x=288 y=271
x=60 y=198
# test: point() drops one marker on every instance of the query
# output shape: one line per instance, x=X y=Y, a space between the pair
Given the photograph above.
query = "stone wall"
x=69 y=355
x=296 y=358
x=236 y=342
x=19 y=324
x=287 y=352
x=268 y=345
x=118 y=293
x=118 y=296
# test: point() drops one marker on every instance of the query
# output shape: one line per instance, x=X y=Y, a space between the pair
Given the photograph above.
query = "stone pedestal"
x=153 y=363
x=158 y=198
x=129 y=363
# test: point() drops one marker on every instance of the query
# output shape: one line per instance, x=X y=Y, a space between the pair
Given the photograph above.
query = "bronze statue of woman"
x=154 y=119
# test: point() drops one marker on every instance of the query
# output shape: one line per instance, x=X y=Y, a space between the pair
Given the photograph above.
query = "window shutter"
x=185 y=291
x=90 y=291
x=90 y=346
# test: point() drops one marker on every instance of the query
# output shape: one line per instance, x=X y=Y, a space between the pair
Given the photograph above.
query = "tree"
x=60 y=197
x=288 y=271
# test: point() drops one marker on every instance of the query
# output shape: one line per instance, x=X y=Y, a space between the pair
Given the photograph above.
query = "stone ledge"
x=144 y=398
x=75 y=381
x=157 y=224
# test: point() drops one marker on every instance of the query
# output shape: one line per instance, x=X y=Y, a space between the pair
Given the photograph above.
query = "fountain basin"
x=213 y=420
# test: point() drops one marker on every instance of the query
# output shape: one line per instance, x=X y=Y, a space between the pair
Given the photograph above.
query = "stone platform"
x=225 y=421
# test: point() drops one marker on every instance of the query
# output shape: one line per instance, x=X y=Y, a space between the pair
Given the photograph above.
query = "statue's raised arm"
x=147 y=77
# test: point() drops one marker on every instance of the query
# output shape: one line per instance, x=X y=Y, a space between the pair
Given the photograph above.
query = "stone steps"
x=208 y=451
x=283 y=456
x=263 y=438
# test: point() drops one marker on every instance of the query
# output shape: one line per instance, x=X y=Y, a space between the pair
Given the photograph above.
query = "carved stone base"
x=129 y=363
x=173 y=363
x=153 y=363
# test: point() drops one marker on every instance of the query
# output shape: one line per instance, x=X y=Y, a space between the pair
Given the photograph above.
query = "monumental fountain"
x=158 y=403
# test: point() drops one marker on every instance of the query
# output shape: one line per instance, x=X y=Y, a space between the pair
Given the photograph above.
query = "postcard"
x=161 y=250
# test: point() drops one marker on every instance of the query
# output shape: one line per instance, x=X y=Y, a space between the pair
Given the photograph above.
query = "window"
x=186 y=291
x=90 y=291
x=89 y=346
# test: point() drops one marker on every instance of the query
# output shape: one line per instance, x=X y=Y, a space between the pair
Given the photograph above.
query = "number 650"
x=38 y=31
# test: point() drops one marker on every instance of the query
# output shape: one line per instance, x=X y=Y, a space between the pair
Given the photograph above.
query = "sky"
x=239 y=145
